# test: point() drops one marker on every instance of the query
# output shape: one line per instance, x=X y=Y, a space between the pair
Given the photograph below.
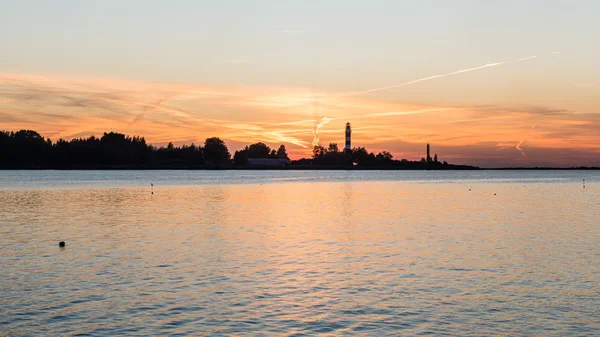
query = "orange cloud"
x=61 y=107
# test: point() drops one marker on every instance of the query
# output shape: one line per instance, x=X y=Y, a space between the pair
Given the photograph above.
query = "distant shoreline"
x=28 y=150
x=542 y=169
x=288 y=168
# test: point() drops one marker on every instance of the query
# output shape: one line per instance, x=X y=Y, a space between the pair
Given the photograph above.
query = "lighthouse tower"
x=348 y=134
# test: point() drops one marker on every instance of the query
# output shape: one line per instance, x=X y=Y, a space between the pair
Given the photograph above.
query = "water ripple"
x=378 y=256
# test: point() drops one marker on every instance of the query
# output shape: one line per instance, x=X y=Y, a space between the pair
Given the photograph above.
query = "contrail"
x=326 y=120
x=489 y=65
x=518 y=147
x=526 y=58
x=322 y=123
x=420 y=80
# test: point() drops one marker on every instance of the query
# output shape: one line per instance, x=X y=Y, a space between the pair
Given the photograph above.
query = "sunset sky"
x=488 y=83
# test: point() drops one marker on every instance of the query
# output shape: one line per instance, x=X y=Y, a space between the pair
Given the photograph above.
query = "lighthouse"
x=348 y=135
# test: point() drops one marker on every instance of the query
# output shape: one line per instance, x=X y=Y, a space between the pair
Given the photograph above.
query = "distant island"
x=27 y=149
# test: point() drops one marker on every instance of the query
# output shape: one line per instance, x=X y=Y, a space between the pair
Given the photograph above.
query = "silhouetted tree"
x=384 y=156
x=370 y=160
x=334 y=158
x=333 y=147
x=258 y=150
x=215 y=151
x=282 y=152
x=25 y=147
x=359 y=155
x=435 y=158
x=241 y=157
x=318 y=151
x=192 y=154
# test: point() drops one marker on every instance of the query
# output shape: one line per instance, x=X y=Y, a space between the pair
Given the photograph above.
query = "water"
x=290 y=253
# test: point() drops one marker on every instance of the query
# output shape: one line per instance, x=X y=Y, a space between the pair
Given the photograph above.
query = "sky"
x=487 y=83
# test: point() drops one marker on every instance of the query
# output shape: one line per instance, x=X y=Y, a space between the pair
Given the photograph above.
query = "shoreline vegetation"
x=28 y=150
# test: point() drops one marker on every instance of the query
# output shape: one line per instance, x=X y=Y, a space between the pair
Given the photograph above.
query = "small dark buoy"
x=61 y=244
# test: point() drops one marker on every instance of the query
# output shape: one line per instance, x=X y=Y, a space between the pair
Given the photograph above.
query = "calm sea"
x=299 y=253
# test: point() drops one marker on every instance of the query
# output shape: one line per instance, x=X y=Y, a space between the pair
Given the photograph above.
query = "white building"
x=272 y=162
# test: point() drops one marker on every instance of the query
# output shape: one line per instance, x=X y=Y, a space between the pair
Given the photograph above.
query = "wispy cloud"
x=489 y=65
x=527 y=58
x=60 y=107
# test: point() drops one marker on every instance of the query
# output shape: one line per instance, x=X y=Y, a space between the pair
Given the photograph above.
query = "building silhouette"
x=269 y=162
x=428 y=154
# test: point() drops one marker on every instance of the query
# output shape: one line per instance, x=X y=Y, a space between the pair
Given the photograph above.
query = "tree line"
x=28 y=149
x=359 y=156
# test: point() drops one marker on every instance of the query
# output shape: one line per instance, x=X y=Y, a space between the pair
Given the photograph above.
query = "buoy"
x=61 y=244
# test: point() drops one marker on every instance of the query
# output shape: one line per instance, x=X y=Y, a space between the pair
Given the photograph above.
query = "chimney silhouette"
x=428 y=154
